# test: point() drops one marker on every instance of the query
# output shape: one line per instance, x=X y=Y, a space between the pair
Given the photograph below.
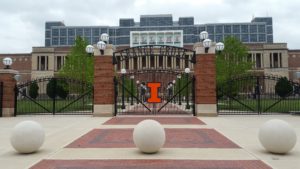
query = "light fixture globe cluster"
x=101 y=45
x=7 y=61
x=207 y=42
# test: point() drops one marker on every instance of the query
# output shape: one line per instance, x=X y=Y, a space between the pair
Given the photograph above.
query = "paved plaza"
x=95 y=142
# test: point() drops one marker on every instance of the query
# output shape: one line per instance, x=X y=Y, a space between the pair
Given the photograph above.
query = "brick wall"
x=205 y=74
x=103 y=80
x=8 y=90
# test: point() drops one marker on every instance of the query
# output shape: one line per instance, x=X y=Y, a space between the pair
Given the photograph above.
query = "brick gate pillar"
x=9 y=83
x=103 y=82
x=205 y=75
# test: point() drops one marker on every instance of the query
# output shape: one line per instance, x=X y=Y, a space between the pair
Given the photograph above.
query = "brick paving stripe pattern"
x=175 y=138
x=161 y=120
x=150 y=164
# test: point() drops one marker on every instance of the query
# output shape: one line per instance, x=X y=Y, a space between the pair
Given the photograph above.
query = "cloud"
x=22 y=22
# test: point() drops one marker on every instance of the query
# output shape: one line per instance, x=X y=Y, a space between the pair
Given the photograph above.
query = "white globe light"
x=104 y=37
x=187 y=70
x=174 y=81
x=137 y=82
x=179 y=76
x=220 y=46
x=203 y=35
x=89 y=49
x=123 y=71
x=7 y=61
x=277 y=136
x=207 y=43
x=149 y=136
x=27 y=137
x=17 y=77
x=132 y=77
x=101 y=45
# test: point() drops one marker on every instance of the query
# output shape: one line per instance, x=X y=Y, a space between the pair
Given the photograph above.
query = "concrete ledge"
x=8 y=71
x=206 y=110
x=8 y=112
x=103 y=110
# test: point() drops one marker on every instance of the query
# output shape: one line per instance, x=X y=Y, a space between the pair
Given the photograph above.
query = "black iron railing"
x=1 y=98
x=254 y=94
x=54 y=96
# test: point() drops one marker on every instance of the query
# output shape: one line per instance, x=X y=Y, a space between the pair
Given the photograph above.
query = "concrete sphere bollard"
x=149 y=136
x=27 y=137
x=277 y=136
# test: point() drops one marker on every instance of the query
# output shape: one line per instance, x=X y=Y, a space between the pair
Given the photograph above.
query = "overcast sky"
x=22 y=22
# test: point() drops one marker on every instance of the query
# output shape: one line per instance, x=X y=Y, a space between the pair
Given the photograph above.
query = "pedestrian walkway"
x=190 y=144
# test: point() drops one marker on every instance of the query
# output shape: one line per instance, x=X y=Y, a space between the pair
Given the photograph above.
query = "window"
x=275 y=60
x=55 y=41
x=63 y=32
x=258 y=60
x=63 y=41
x=261 y=29
x=219 y=29
x=71 y=32
x=253 y=28
x=95 y=32
x=210 y=29
x=219 y=38
x=152 y=61
x=253 y=37
x=58 y=62
x=79 y=32
x=55 y=32
x=236 y=29
x=227 y=29
x=87 y=31
x=261 y=38
x=42 y=63
x=245 y=28
x=245 y=38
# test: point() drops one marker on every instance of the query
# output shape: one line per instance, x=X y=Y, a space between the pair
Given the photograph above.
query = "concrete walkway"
x=63 y=130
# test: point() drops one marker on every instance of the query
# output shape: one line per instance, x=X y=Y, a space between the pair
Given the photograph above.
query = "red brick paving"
x=150 y=164
x=162 y=120
x=175 y=138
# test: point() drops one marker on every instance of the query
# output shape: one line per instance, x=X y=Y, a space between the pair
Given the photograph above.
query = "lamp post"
x=203 y=36
x=137 y=91
x=220 y=47
x=105 y=38
x=131 y=81
x=179 y=88
x=206 y=44
x=174 y=81
x=7 y=62
x=187 y=71
x=123 y=72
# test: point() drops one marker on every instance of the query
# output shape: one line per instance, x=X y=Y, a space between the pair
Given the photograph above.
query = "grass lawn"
x=266 y=105
x=61 y=106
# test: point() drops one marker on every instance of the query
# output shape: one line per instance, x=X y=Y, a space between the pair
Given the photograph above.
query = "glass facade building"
x=259 y=30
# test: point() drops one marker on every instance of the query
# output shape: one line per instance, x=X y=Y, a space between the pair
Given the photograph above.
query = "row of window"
x=43 y=63
x=212 y=29
x=64 y=41
x=275 y=60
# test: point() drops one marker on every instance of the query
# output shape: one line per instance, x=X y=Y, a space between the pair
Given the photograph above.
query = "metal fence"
x=176 y=94
x=1 y=98
x=54 y=96
x=258 y=95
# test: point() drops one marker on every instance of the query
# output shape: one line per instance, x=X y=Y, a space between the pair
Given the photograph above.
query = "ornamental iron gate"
x=1 y=98
x=254 y=94
x=161 y=65
x=57 y=96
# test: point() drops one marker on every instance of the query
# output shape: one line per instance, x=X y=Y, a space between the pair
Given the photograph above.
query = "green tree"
x=232 y=61
x=79 y=64
x=33 y=90
x=57 y=87
x=283 y=87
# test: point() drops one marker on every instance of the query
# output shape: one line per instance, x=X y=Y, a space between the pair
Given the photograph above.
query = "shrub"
x=33 y=90
x=283 y=87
